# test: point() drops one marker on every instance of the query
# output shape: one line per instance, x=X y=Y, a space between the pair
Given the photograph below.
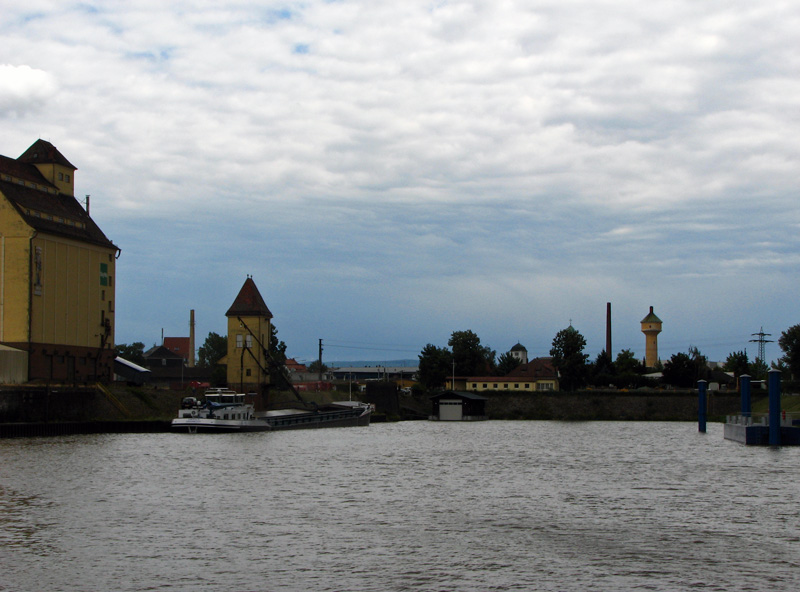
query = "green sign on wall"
x=104 y=274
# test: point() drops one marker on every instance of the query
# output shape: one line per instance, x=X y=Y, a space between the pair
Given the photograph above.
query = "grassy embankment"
x=789 y=404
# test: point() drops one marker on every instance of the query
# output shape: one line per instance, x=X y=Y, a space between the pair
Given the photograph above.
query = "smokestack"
x=608 y=329
x=191 y=338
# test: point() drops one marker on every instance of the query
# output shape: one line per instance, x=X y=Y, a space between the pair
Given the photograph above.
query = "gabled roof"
x=23 y=170
x=42 y=151
x=249 y=302
x=31 y=203
x=159 y=352
x=460 y=395
x=41 y=206
x=536 y=368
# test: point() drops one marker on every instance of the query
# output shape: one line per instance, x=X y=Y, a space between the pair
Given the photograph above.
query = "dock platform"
x=754 y=431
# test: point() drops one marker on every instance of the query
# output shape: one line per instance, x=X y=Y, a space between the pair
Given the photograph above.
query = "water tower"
x=651 y=327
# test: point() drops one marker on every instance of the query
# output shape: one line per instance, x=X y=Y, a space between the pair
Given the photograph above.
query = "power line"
x=370 y=346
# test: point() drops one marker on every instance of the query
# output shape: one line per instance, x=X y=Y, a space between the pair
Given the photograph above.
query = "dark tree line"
x=466 y=357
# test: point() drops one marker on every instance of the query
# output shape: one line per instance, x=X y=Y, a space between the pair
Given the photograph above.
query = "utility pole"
x=761 y=341
x=320 y=361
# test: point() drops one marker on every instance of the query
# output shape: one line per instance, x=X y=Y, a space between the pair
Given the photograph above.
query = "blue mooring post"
x=744 y=387
x=702 y=385
x=774 y=407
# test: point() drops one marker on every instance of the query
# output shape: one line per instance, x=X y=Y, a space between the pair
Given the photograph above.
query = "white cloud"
x=24 y=89
x=549 y=153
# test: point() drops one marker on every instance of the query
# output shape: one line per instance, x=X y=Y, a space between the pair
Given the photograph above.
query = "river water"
x=405 y=506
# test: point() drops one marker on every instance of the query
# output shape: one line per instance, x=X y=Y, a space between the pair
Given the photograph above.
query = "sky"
x=392 y=172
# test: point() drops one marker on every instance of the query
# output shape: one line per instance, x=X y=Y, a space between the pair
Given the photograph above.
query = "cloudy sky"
x=391 y=172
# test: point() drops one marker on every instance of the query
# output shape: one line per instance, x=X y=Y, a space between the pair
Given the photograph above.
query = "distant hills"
x=372 y=363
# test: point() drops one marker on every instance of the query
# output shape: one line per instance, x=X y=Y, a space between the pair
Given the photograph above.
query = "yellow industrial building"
x=57 y=275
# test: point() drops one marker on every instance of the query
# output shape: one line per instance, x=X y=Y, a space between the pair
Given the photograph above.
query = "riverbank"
x=39 y=411
x=36 y=410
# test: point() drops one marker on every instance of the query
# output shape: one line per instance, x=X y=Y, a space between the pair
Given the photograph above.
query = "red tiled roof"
x=178 y=345
x=249 y=302
x=536 y=368
x=296 y=366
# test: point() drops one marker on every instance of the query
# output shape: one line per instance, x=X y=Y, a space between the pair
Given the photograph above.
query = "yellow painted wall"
x=651 y=349
x=240 y=361
x=14 y=269
x=58 y=175
x=651 y=331
x=506 y=386
x=67 y=308
x=72 y=302
x=14 y=288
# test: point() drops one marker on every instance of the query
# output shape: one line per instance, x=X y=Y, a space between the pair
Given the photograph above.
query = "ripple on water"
x=410 y=506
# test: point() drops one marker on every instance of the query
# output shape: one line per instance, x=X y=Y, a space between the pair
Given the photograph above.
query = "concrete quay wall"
x=611 y=405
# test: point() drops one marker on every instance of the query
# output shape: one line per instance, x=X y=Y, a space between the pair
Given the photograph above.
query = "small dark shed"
x=130 y=372
x=458 y=406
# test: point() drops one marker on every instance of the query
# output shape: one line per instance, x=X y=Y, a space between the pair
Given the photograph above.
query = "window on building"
x=484 y=385
x=495 y=385
x=110 y=306
x=527 y=385
x=66 y=178
x=516 y=386
x=248 y=340
x=247 y=372
x=103 y=295
x=505 y=385
x=60 y=176
x=239 y=341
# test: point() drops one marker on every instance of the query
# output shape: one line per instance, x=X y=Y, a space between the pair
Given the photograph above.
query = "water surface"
x=409 y=506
